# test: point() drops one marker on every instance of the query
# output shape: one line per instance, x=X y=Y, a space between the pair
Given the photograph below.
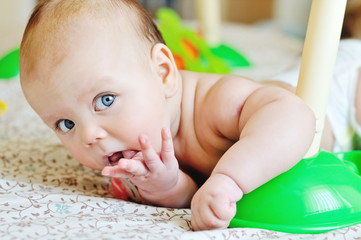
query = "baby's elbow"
x=306 y=119
x=299 y=111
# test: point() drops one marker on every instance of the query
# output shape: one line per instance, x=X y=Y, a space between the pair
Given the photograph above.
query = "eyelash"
x=110 y=96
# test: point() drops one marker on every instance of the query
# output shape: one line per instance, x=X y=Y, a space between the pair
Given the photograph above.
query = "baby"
x=99 y=74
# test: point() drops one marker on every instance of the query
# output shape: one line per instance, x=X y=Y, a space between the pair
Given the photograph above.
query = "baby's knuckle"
x=212 y=223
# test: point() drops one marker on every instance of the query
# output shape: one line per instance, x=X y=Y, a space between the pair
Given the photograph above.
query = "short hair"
x=54 y=15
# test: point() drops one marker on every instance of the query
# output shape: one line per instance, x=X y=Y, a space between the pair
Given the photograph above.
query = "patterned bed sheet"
x=46 y=194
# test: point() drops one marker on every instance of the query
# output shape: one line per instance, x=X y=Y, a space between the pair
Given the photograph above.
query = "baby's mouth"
x=113 y=158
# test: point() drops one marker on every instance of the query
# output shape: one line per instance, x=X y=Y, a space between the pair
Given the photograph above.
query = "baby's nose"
x=92 y=134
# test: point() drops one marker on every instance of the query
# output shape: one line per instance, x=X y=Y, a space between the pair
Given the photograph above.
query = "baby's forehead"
x=55 y=32
x=50 y=42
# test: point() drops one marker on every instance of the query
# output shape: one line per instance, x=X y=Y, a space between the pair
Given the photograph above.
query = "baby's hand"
x=153 y=174
x=214 y=204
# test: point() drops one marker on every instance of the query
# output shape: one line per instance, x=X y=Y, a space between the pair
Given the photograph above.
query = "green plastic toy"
x=319 y=194
x=9 y=65
x=231 y=56
x=190 y=50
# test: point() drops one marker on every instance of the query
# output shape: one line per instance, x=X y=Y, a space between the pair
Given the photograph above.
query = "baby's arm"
x=275 y=130
x=158 y=177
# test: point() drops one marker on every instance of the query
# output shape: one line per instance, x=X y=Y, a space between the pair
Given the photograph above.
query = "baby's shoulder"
x=209 y=87
x=217 y=93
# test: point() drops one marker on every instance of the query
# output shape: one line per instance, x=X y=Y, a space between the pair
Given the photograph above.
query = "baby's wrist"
x=176 y=195
x=229 y=183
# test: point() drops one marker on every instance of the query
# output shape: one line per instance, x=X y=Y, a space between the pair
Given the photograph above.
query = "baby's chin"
x=95 y=165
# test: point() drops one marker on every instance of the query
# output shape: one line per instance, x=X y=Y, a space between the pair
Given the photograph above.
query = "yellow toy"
x=3 y=107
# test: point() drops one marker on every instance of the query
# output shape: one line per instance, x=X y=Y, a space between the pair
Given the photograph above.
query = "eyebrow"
x=52 y=118
x=49 y=120
x=93 y=85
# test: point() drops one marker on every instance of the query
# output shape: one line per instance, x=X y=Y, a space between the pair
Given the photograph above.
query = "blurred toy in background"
x=9 y=68
x=3 y=107
x=191 y=51
x=9 y=65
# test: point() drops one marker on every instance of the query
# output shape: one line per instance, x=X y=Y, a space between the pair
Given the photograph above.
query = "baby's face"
x=100 y=98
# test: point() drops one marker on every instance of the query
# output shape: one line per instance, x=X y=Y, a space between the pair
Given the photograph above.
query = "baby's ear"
x=166 y=68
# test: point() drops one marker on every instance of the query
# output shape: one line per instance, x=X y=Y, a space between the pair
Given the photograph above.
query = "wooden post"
x=209 y=18
x=318 y=60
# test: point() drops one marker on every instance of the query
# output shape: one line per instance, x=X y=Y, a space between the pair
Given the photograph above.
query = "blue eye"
x=65 y=125
x=103 y=102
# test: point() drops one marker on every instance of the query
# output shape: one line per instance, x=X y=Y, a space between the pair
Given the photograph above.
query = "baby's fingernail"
x=106 y=172
x=143 y=140
x=166 y=132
